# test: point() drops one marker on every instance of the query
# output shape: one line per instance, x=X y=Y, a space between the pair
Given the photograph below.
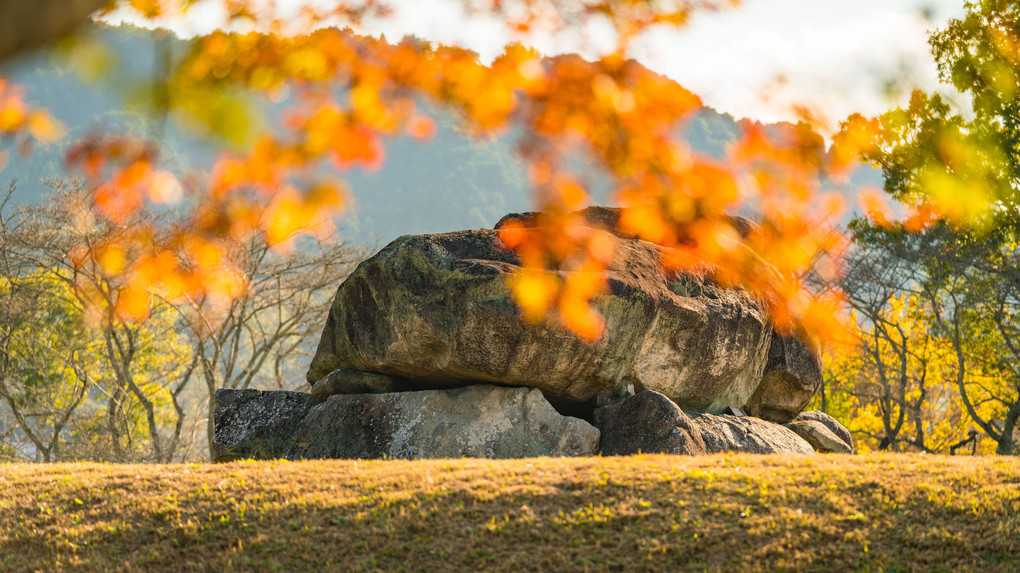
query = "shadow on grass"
x=632 y=514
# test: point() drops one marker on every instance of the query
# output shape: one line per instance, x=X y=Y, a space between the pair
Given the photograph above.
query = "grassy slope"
x=825 y=513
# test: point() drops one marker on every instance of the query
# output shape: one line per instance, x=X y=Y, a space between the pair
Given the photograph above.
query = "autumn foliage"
x=22 y=122
x=349 y=93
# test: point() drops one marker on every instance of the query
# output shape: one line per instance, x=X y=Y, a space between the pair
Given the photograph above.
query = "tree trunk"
x=210 y=423
x=1006 y=444
x=210 y=383
x=112 y=413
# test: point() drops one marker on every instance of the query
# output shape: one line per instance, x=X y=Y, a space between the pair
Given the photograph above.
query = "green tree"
x=46 y=357
x=965 y=161
x=965 y=167
x=71 y=372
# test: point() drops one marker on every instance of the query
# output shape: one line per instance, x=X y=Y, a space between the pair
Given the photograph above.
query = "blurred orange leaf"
x=421 y=127
x=535 y=291
x=876 y=207
x=133 y=303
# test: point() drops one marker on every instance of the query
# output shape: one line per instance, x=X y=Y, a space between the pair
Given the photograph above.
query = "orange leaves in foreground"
x=567 y=242
x=121 y=277
x=611 y=116
x=291 y=212
x=131 y=256
x=329 y=132
x=125 y=176
x=22 y=123
x=857 y=137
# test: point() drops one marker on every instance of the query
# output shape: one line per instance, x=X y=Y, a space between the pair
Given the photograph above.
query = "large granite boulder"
x=651 y=423
x=647 y=423
x=256 y=424
x=436 y=310
x=792 y=376
x=425 y=354
x=748 y=435
x=823 y=432
x=475 y=421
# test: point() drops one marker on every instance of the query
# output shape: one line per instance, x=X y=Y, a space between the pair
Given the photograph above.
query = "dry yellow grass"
x=727 y=512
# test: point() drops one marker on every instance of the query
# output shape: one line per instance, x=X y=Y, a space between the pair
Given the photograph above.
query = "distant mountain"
x=454 y=181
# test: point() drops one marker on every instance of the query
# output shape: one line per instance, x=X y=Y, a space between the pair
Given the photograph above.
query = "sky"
x=837 y=56
x=761 y=60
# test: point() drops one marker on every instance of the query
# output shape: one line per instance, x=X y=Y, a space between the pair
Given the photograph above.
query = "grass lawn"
x=889 y=512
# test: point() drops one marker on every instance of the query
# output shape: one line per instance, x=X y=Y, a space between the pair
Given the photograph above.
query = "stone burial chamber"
x=425 y=355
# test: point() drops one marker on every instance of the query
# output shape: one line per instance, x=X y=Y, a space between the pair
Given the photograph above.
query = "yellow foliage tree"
x=930 y=370
x=895 y=389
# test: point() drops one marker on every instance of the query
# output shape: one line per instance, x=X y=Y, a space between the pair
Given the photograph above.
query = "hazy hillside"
x=451 y=182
